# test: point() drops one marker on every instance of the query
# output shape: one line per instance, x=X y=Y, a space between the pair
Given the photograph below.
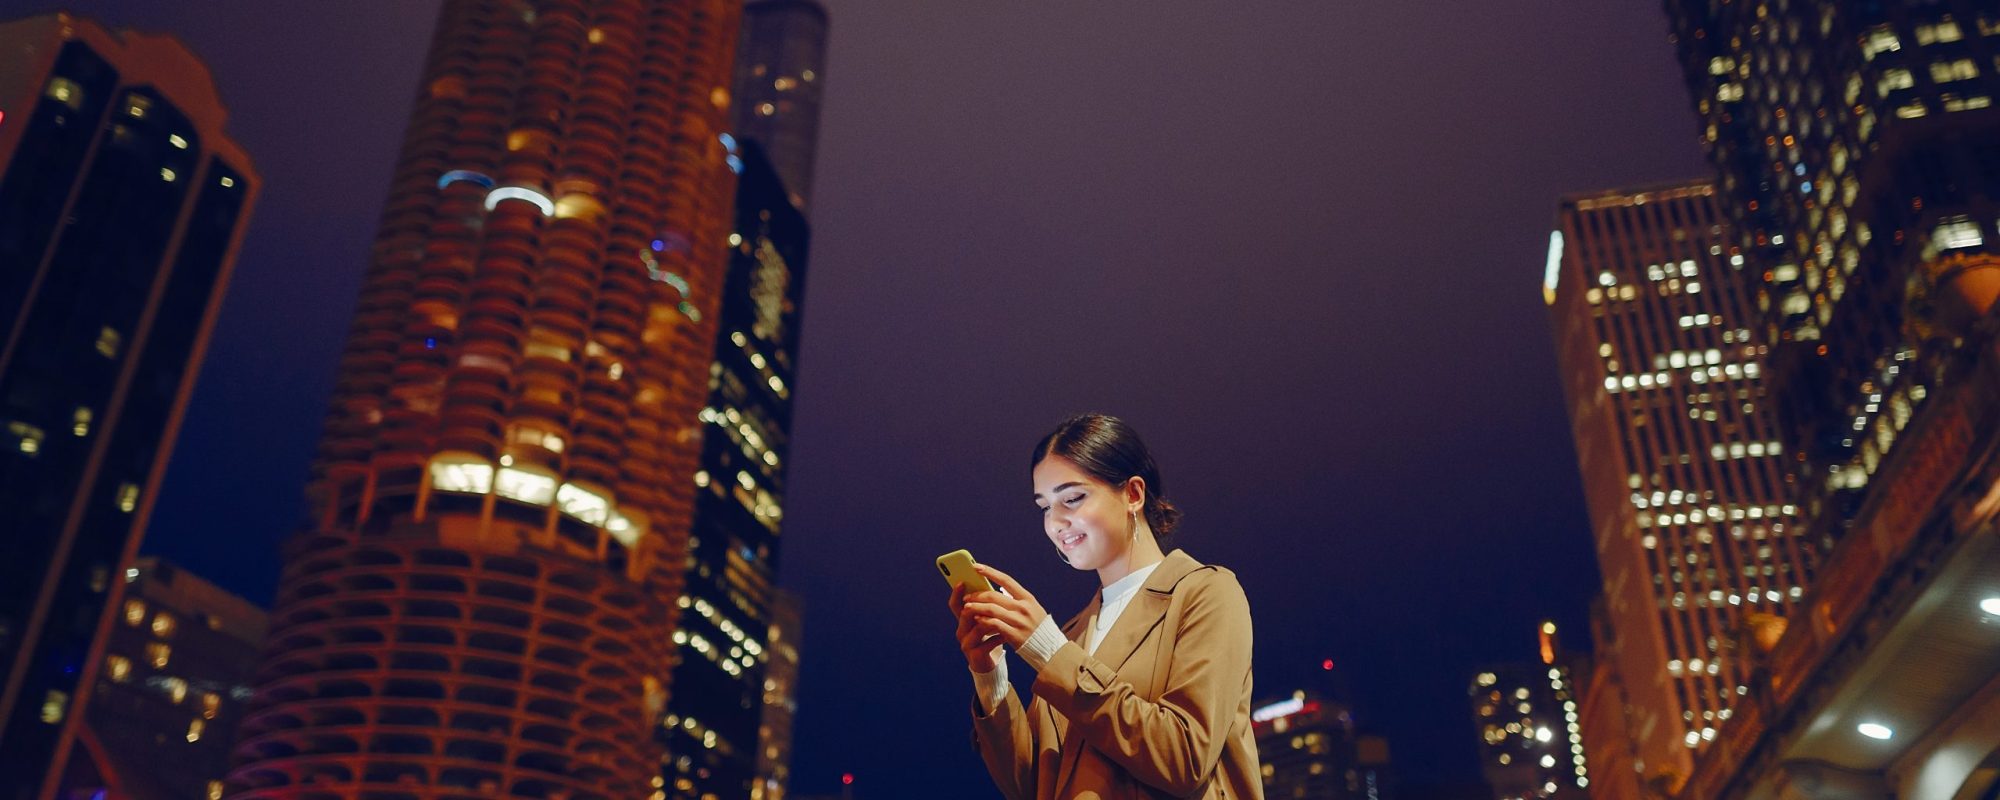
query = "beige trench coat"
x=1161 y=710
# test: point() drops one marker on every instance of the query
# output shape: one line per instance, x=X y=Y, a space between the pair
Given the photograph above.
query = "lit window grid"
x=1610 y=246
x=1913 y=62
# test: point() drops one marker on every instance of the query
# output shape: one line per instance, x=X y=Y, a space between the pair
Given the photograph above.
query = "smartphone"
x=957 y=568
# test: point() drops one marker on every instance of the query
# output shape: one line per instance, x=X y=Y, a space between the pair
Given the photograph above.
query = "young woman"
x=1146 y=692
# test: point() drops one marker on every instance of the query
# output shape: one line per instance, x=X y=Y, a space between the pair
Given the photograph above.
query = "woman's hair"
x=1110 y=451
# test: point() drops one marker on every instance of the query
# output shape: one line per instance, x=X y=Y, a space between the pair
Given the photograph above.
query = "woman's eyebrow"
x=1058 y=489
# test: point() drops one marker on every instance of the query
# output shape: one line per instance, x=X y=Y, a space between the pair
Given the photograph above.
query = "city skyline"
x=1381 y=540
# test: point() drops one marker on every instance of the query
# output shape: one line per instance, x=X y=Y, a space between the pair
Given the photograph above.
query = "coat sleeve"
x=1176 y=743
x=1006 y=741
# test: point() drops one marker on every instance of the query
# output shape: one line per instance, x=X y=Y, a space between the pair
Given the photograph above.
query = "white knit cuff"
x=991 y=686
x=1042 y=644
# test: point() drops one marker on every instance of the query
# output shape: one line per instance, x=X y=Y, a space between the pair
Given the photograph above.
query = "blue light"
x=659 y=245
x=735 y=164
x=430 y=343
x=728 y=142
x=1805 y=188
x=457 y=175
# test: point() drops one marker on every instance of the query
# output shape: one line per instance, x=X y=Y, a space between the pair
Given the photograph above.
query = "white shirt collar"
x=1122 y=589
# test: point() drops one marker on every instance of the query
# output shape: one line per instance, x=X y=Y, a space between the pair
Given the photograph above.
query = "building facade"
x=171 y=689
x=1529 y=726
x=1683 y=467
x=780 y=75
x=1604 y=712
x=482 y=600
x=781 y=698
x=1857 y=144
x=715 y=719
x=1310 y=749
x=121 y=210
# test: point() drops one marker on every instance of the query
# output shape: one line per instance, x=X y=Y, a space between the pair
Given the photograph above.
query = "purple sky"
x=1296 y=242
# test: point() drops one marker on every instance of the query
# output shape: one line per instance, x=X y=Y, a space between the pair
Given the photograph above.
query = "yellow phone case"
x=957 y=568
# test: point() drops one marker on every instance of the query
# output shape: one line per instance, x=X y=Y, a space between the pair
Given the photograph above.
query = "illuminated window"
x=177 y=688
x=108 y=342
x=66 y=92
x=118 y=667
x=583 y=504
x=525 y=486
x=1948 y=71
x=1957 y=232
x=215 y=790
x=80 y=421
x=157 y=654
x=128 y=497
x=135 y=612
x=1941 y=31
x=1880 y=39
x=210 y=704
x=28 y=438
x=54 y=705
x=1898 y=78
x=456 y=473
x=163 y=625
x=195 y=727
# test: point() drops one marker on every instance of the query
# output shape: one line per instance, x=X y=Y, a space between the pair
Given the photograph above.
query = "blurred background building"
x=1855 y=144
x=1683 y=466
x=1529 y=726
x=122 y=205
x=482 y=600
x=171 y=690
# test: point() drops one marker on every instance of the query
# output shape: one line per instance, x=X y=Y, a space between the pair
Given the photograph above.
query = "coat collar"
x=1139 y=616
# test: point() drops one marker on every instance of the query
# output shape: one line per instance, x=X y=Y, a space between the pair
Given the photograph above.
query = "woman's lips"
x=1070 y=541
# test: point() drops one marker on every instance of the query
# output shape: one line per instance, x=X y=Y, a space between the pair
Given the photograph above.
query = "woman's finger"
x=1004 y=581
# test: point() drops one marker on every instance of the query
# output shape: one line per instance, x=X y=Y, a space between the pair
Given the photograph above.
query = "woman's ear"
x=1135 y=492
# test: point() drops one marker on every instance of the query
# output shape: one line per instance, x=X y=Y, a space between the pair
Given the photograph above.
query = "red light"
x=1326 y=665
x=847 y=779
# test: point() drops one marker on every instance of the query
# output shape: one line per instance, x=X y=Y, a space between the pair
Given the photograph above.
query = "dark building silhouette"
x=780 y=75
x=171 y=689
x=715 y=717
x=121 y=208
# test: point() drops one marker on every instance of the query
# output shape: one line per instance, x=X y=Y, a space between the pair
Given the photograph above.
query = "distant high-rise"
x=1531 y=739
x=715 y=717
x=171 y=689
x=481 y=601
x=1858 y=145
x=781 y=698
x=1855 y=142
x=121 y=209
x=1607 y=736
x=1311 y=748
x=780 y=72
x=1683 y=467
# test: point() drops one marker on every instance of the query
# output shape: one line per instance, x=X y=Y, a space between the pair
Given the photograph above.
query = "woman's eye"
x=1072 y=501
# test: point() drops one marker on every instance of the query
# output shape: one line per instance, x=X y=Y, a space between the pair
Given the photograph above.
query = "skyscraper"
x=1854 y=142
x=121 y=209
x=1607 y=736
x=171 y=688
x=1310 y=747
x=781 y=699
x=780 y=73
x=715 y=716
x=481 y=600
x=1857 y=143
x=1682 y=465
x=1531 y=740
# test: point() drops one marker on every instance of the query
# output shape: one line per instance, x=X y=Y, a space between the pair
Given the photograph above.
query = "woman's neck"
x=1143 y=553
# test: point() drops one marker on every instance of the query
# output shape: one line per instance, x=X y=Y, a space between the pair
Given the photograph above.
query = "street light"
x=1875 y=731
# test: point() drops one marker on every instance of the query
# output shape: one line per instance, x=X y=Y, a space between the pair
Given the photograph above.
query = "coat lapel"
x=1139 y=618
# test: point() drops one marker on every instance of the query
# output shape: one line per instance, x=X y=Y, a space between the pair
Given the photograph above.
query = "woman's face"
x=1087 y=519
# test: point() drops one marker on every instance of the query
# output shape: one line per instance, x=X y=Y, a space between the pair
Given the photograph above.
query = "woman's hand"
x=982 y=650
x=1010 y=615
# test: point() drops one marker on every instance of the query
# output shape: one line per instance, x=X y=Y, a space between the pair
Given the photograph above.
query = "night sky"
x=1297 y=243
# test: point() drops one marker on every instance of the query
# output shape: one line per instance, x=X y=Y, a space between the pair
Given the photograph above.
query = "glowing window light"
x=583 y=504
x=626 y=527
x=1553 y=271
x=466 y=175
x=461 y=474
x=1875 y=730
x=527 y=487
x=539 y=200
